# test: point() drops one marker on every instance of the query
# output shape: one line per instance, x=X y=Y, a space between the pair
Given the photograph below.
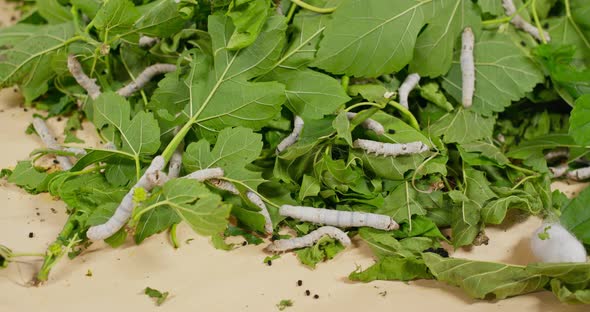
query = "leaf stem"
x=538 y=23
x=345 y=81
x=348 y=109
x=524 y=180
x=251 y=190
x=291 y=12
x=27 y=254
x=313 y=8
x=521 y=169
x=407 y=114
x=173 y=238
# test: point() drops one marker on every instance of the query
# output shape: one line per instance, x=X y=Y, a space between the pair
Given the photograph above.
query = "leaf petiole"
x=313 y=8
x=407 y=114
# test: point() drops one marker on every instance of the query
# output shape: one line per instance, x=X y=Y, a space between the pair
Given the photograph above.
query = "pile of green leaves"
x=246 y=67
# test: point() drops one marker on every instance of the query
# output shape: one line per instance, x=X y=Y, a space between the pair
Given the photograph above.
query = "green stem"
x=291 y=12
x=251 y=190
x=56 y=250
x=173 y=238
x=568 y=13
x=407 y=114
x=313 y=8
x=447 y=184
x=27 y=254
x=89 y=26
x=348 y=109
x=420 y=168
x=345 y=82
x=76 y=18
x=524 y=180
x=538 y=23
x=523 y=170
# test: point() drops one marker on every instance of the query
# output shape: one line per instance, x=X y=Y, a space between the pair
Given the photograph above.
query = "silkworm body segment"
x=369 y=124
x=407 y=86
x=339 y=218
x=390 y=149
x=309 y=239
x=293 y=137
x=467 y=66
x=205 y=174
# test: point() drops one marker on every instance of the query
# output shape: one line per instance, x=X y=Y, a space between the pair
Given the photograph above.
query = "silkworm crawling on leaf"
x=553 y=243
x=125 y=208
x=83 y=80
x=50 y=141
x=559 y=171
x=520 y=23
x=205 y=174
x=157 y=178
x=293 y=137
x=390 y=149
x=369 y=124
x=467 y=66
x=579 y=174
x=175 y=163
x=309 y=239
x=256 y=200
x=339 y=218
x=144 y=77
x=224 y=185
x=557 y=153
x=147 y=42
x=407 y=86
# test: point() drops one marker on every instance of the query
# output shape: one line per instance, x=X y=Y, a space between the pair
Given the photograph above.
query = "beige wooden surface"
x=201 y=278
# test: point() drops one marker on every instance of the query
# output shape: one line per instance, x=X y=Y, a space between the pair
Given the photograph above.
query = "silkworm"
x=390 y=149
x=369 y=124
x=205 y=174
x=158 y=178
x=557 y=153
x=579 y=174
x=553 y=243
x=50 y=141
x=76 y=150
x=125 y=208
x=520 y=23
x=147 y=42
x=339 y=218
x=83 y=80
x=467 y=66
x=309 y=239
x=144 y=77
x=407 y=86
x=224 y=185
x=256 y=200
x=558 y=171
x=293 y=137
x=175 y=163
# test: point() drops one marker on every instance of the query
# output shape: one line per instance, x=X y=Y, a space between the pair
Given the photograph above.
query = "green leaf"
x=154 y=293
x=26 y=176
x=580 y=121
x=324 y=249
x=393 y=268
x=575 y=217
x=401 y=204
x=195 y=204
x=465 y=219
x=480 y=279
x=433 y=53
x=493 y=7
x=248 y=17
x=371 y=39
x=503 y=73
x=159 y=18
x=53 y=12
x=310 y=186
x=154 y=221
x=565 y=31
x=570 y=295
x=26 y=61
x=234 y=150
x=463 y=126
x=139 y=136
x=115 y=17
x=342 y=126
x=486 y=150
x=537 y=145
x=495 y=210
x=88 y=7
x=310 y=94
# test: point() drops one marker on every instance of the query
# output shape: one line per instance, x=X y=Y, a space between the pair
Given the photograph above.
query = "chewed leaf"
x=503 y=73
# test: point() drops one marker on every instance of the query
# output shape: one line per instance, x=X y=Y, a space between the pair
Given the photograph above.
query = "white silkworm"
x=144 y=77
x=338 y=217
x=467 y=66
x=83 y=80
x=558 y=171
x=390 y=149
x=579 y=174
x=369 y=124
x=157 y=178
x=76 y=150
x=125 y=208
x=50 y=141
x=293 y=137
x=147 y=42
x=175 y=163
x=520 y=23
x=553 y=243
x=557 y=153
x=309 y=239
x=256 y=200
x=407 y=86
x=205 y=174
x=224 y=185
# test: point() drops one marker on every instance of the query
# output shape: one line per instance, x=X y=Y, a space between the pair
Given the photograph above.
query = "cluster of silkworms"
x=390 y=149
